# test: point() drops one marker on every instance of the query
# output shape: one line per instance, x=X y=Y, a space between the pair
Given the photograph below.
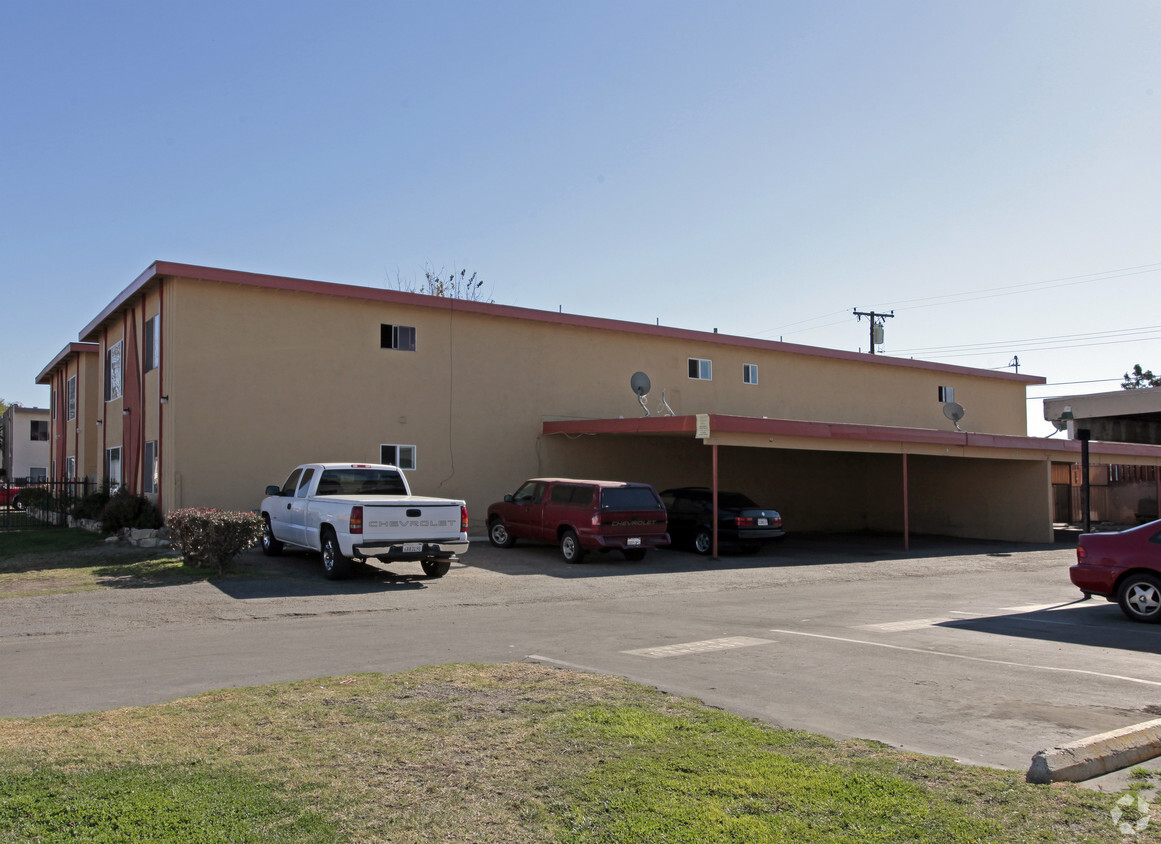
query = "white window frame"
x=71 y=393
x=947 y=394
x=150 y=467
x=113 y=458
x=37 y=474
x=113 y=371
x=703 y=367
x=749 y=373
x=70 y=468
x=404 y=456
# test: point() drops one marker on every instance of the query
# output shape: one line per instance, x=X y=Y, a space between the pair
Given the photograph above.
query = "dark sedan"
x=741 y=522
x=1124 y=567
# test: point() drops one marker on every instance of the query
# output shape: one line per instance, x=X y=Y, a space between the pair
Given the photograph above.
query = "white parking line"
x=900 y=626
x=928 y=652
x=702 y=647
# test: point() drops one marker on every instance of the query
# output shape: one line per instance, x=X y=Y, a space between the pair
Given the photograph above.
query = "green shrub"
x=208 y=537
x=125 y=510
x=36 y=497
x=92 y=505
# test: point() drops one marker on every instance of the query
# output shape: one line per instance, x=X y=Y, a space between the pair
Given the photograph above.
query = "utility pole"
x=1015 y=361
x=876 y=324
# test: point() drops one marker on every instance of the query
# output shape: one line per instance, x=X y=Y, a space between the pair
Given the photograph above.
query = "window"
x=113 y=467
x=291 y=483
x=401 y=337
x=304 y=484
x=577 y=494
x=37 y=474
x=52 y=403
x=71 y=392
x=39 y=431
x=151 y=475
x=113 y=372
x=70 y=468
x=152 y=343
x=749 y=373
x=702 y=370
x=947 y=394
x=400 y=456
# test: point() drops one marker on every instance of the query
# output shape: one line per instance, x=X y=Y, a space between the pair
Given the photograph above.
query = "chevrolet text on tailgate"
x=352 y=512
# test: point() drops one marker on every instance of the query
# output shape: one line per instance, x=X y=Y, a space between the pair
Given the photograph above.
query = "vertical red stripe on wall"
x=133 y=445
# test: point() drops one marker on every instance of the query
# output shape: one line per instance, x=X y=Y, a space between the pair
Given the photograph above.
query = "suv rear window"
x=576 y=494
x=629 y=498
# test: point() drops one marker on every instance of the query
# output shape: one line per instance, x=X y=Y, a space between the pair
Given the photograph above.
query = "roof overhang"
x=760 y=432
x=67 y=352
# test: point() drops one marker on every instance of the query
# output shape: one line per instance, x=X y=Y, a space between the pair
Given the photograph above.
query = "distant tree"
x=1140 y=379
x=456 y=285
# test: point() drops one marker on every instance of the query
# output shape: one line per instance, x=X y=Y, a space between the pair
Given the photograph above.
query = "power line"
x=1127 y=333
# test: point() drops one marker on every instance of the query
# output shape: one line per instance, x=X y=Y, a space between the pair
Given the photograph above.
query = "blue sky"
x=989 y=170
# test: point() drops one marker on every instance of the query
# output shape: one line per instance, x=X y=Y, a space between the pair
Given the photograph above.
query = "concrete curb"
x=1097 y=755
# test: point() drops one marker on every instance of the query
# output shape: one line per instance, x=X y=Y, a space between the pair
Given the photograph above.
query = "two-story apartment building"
x=198 y=386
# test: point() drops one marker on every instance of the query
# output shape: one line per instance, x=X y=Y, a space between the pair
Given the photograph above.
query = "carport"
x=899 y=480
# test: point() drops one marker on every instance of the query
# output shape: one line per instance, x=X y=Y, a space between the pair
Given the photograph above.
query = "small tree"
x=1140 y=379
x=456 y=285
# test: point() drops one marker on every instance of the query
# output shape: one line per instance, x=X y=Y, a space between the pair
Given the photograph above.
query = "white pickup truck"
x=351 y=512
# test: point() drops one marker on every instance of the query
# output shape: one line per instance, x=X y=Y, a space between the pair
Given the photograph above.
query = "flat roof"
x=839 y=433
x=163 y=269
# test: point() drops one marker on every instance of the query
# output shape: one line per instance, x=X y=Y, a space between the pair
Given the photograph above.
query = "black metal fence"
x=40 y=504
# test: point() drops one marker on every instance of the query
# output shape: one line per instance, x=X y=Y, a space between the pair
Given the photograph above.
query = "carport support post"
x=906 y=508
x=714 y=493
x=1084 y=434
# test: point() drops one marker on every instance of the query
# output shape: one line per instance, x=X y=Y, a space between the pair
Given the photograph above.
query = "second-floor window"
x=401 y=337
x=749 y=373
x=39 y=431
x=152 y=348
x=71 y=392
x=701 y=370
x=113 y=372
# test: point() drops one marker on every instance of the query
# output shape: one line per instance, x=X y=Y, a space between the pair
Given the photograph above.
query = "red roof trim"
x=165 y=268
x=67 y=351
x=657 y=425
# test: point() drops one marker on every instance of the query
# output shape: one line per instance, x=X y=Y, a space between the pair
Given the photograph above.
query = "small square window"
x=749 y=373
x=702 y=370
x=38 y=431
x=947 y=394
x=399 y=456
x=400 y=337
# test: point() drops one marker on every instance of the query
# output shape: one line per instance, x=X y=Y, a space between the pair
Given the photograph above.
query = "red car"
x=1124 y=567
x=581 y=516
x=10 y=497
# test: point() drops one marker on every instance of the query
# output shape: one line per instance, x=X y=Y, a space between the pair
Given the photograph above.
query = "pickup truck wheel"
x=499 y=536
x=570 y=547
x=435 y=568
x=271 y=547
x=336 y=565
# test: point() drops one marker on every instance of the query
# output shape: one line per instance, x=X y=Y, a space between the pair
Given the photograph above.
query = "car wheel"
x=435 y=568
x=271 y=547
x=499 y=536
x=703 y=541
x=17 y=504
x=1140 y=597
x=336 y=565
x=570 y=547
x=635 y=555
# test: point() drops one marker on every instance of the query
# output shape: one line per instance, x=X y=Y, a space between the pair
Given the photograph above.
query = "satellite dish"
x=640 y=384
x=954 y=411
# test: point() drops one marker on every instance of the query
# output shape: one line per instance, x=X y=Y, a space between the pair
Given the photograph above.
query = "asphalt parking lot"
x=983 y=652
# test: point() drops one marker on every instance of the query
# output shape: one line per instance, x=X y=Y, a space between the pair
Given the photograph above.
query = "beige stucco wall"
x=261 y=379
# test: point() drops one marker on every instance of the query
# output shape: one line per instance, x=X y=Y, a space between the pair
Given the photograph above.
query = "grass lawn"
x=41 y=562
x=507 y=753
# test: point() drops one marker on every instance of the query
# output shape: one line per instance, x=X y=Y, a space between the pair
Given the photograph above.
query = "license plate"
x=763 y=522
x=412 y=547
x=632 y=541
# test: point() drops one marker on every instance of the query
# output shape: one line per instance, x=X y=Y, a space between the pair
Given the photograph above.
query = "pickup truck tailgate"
x=400 y=521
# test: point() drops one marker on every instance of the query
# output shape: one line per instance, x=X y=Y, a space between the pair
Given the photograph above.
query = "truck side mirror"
x=273 y=490
x=508 y=498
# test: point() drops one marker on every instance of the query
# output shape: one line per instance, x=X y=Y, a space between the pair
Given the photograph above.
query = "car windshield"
x=629 y=498
x=361 y=482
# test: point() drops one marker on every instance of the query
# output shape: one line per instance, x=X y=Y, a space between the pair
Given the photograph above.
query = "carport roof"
x=762 y=432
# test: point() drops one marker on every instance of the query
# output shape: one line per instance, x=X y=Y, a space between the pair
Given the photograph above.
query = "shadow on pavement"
x=299 y=574
x=1093 y=623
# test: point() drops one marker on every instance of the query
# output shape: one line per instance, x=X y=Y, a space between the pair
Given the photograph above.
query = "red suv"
x=581 y=516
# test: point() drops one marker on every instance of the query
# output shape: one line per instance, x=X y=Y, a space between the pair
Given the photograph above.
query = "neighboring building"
x=211 y=384
x=26 y=443
x=74 y=379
